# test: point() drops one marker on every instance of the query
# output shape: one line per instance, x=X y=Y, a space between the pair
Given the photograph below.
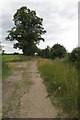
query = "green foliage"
x=45 y=52
x=57 y=51
x=61 y=80
x=27 y=30
x=74 y=57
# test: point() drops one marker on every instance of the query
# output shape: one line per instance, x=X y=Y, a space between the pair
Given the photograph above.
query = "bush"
x=58 y=51
x=74 y=57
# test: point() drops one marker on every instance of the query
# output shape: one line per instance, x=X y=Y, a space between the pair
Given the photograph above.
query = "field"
x=61 y=80
x=26 y=96
x=59 y=76
x=14 y=58
x=6 y=59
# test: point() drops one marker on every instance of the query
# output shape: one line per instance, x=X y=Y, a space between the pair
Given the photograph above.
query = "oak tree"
x=27 y=30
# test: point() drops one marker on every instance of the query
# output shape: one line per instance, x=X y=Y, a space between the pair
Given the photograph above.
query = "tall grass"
x=61 y=80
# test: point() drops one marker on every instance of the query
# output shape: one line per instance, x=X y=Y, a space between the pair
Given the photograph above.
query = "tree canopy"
x=58 y=51
x=27 y=30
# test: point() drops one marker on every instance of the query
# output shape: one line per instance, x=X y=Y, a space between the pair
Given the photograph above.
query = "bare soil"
x=25 y=95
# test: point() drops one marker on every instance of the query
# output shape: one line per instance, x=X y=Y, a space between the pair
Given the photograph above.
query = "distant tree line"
x=57 y=51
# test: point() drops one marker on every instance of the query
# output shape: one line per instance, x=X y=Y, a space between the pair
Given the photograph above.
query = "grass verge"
x=61 y=81
x=6 y=69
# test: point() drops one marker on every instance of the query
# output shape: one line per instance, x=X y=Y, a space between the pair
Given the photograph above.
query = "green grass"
x=6 y=70
x=15 y=58
x=6 y=59
x=61 y=80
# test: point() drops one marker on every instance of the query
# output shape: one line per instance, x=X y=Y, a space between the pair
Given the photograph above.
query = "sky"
x=60 y=20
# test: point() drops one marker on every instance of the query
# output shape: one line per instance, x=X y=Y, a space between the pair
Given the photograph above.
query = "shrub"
x=74 y=57
x=58 y=51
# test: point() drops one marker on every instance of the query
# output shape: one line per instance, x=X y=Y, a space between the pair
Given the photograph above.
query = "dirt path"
x=36 y=104
x=13 y=89
x=32 y=103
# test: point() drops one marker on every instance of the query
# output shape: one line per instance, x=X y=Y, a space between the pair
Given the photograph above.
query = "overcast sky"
x=60 y=20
